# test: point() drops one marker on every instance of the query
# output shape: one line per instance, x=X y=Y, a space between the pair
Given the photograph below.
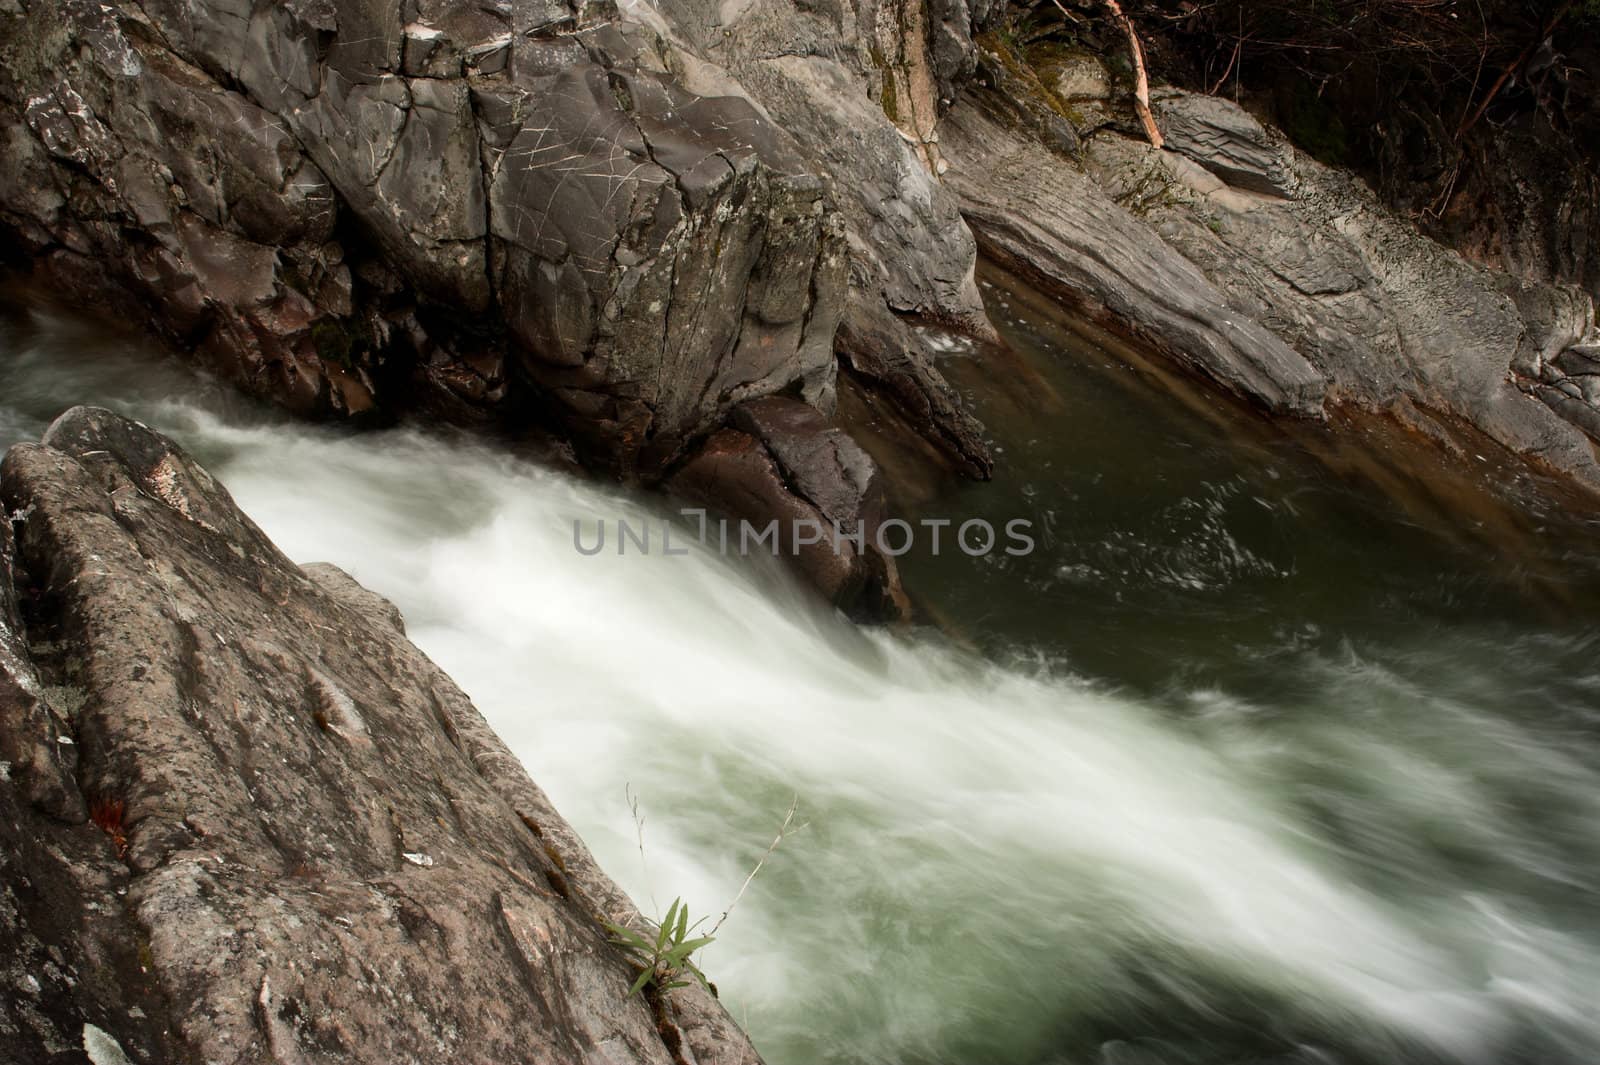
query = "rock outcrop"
x=1038 y=213
x=341 y=203
x=611 y=218
x=242 y=818
x=861 y=87
x=606 y=222
x=627 y=222
x=780 y=462
x=1279 y=278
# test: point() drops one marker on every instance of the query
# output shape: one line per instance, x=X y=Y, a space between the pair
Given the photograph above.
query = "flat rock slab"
x=307 y=846
x=1045 y=217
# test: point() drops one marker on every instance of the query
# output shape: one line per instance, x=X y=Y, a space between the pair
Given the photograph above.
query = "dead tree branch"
x=1141 y=81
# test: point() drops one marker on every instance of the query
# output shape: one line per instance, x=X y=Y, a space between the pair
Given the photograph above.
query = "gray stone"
x=862 y=88
x=785 y=462
x=1315 y=293
x=1227 y=140
x=1580 y=359
x=1053 y=223
x=883 y=351
x=307 y=844
x=821 y=463
x=649 y=256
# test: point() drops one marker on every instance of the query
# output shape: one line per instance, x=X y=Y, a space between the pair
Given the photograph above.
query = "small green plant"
x=665 y=961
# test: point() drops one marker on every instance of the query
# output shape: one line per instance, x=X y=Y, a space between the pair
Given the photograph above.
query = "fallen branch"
x=1217 y=87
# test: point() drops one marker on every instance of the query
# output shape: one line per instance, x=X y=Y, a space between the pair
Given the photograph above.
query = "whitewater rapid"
x=1001 y=863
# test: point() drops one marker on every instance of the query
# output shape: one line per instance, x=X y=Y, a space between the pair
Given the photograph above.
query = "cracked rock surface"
x=358 y=204
x=244 y=819
x=781 y=460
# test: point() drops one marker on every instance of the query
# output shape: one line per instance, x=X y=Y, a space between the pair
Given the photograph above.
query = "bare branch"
x=1141 y=81
x=638 y=830
x=1505 y=75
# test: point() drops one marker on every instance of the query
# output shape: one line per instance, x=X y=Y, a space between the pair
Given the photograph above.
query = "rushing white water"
x=1001 y=865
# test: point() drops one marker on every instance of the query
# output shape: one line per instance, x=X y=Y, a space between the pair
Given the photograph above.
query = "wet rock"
x=821 y=463
x=647 y=256
x=881 y=348
x=307 y=845
x=862 y=89
x=1279 y=278
x=785 y=464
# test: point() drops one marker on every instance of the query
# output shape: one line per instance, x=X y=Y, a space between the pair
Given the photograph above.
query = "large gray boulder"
x=1393 y=319
x=1043 y=216
x=304 y=845
x=861 y=86
x=340 y=201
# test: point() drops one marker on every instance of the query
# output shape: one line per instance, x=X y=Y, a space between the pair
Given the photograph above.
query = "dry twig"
x=784 y=830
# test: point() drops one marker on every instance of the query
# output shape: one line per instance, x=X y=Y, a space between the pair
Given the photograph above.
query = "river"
x=1283 y=746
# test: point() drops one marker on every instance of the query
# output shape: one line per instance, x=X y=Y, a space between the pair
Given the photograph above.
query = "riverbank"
x=1351 y=779
x=474 y=229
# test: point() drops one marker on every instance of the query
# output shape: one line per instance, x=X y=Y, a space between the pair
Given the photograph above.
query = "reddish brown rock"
x=786 y=464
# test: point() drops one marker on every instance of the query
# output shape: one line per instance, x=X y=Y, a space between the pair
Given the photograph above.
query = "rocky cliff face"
x=339 y=202
x=628 y=222
x=243 y=819
x=538 y=212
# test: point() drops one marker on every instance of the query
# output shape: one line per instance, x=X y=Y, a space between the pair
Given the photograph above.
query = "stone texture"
x=1053 y=223
x=1019 y=97
x=339 y=203
x=307 y=846
x=623 y=222
x=1384 y=312
x=36 y=749
x=1280 y=279
x=1226 y=140
x=879 y=347
x=783 y=461
x=862 y=86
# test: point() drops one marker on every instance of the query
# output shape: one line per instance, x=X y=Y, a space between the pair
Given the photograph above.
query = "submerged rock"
x=302 y=842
